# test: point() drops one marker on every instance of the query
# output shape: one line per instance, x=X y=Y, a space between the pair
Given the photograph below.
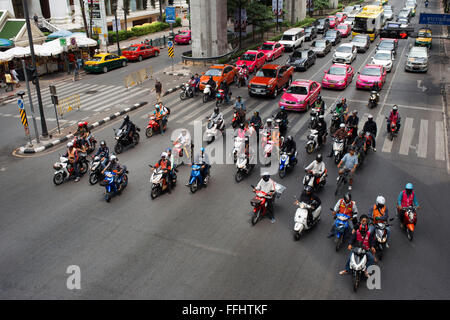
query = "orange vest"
x=72 y=155
x=376 y=213
x=346 y=209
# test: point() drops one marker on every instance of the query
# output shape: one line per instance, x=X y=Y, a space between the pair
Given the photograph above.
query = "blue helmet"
x=202 y=149
x=282 y=108
x=168 y=150
x=409 y=186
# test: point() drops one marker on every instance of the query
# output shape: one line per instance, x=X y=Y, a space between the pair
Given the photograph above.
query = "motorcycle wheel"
x=355 y=281
x=183 y=95
x=58 y=178
x=391 y=136
x=282 y=173
x=255 y=218
x=205 y=98
x=84 y=168
x=108 y=197
x=136 y=139
x=238 y=176
x=118 y=148
x=296 y=236
x=338 y=185
x=194 y=186
x=149 y=132
x=218 y=103
x=336 y=159
x=409 y=234
x=339 y=243
x=93 y=178
x=309 y=148
x=154 y=193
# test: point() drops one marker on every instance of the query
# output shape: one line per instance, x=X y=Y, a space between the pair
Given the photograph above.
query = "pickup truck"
x=270 y=80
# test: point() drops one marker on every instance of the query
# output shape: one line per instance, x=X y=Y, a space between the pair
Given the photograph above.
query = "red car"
x=183 y=37
x=333 y=21
x=272 y=50
x=252 y=59
x=300 y=95
x=341 y=16
x=338 y=76
x=140 y=51
x=344 y=29
x=370 y=76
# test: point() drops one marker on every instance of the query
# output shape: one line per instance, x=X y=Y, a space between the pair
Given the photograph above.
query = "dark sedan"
x=302 y=59
x=321 y=47
x=310 y=33
x=334 y=36
x=323 y=25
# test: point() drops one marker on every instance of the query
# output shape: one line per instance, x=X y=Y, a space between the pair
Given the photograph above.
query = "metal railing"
x=48 y=25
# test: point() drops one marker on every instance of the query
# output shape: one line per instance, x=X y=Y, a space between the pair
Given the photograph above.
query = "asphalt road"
x=202 y=246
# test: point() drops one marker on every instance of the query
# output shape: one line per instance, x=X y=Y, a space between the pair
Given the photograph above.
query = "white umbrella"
x=37 y=48
x=50 y=48
x=2 y=56
x=16 y=52
x=82 y=40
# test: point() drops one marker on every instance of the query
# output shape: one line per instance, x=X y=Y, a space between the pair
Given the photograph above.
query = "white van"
x=293 y=38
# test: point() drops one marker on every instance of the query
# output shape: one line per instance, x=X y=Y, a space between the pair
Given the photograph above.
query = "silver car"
x=417 y=59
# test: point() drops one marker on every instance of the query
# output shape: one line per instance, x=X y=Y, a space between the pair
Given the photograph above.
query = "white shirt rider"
x=267 y=187
x=316 y=167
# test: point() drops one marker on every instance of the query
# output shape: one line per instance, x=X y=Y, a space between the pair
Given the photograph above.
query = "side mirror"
x=203 y=73
x=284 y=89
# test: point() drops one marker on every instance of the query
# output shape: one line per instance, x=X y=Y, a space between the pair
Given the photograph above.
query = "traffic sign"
x=20 y=104
x=169 y=44
x=170 y=52
x=170 y=15
x=434 y=18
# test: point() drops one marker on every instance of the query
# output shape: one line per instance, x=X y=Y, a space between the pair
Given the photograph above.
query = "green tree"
x=83 y=13
x=259 y=15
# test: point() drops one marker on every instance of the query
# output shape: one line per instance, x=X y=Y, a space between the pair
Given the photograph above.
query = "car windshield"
x=382 y=56
x=248 y=57
x=321 y=21
x=308 y=30
x=184 y=33
x=342 y=27
x=96 y=58
x=320 y=44
x=213 y=72
x=287 y=37
x=387 y=11
x=386 y=45
x=131 y=49
x=267 y=47
x=410 y=4
x=330 y=33
x=331 y=18
x=297 y=90
x=418 y=54
x=424 y=34
x=375 y=72
x=359 y=39
x=403 y=14
x=344 y=49
x=266 y=73
x=337 y=71
x=350 y=19
x=300 y=54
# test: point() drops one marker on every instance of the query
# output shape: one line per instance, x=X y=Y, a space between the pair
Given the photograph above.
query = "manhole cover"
x=91 y=91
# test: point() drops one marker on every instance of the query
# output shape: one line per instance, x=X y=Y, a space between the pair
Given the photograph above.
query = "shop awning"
x=5 y=43
x=58 y=34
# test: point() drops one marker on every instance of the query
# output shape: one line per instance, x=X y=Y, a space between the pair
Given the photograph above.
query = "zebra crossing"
x=422 y=138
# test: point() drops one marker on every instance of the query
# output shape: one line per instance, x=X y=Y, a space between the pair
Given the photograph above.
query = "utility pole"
x=240 y=27
x=31 y=100
x=277 y=15
x=189 y=13
x=117 y=26
x=34 y=71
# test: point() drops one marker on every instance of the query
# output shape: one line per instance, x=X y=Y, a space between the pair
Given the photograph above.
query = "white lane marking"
x=408 y=133
x=423 y=139
x=387 y=145
x=440 y=148
x=204 y=108
x=128 y=96
x=187 y=109
x=419 y=85
x=380 y=126
x=103 y=98
x=46 y=97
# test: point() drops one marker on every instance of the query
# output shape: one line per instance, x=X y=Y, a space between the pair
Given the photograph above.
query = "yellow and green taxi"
x=103 y=62
x=424 y=38
x=383 y=2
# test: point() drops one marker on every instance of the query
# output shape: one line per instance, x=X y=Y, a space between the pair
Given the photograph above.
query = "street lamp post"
x=117 y=27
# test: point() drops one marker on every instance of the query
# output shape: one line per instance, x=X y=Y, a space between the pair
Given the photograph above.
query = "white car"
x=384 y=58
x=350 y=21
x=345 y=53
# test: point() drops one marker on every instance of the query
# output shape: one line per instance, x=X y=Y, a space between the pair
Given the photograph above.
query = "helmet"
x=168 y=150
x=380 y=200
x=289 y=138
x=321 y=116
x=352 y=148
x=370 y=117
x=70 y=145
x=112 y=158
x=202 y=149
x=216 y=110
x=126 y=118
x=163 y=155
x=308 y=189
x=319 y=98
x=238 y=97
x=409 y=186
x=103 y=143
x=319 y=158
x=269 y=120
x=157 y=106
x=355 y=111
x=342 y=125
x=266 y=177
x=395 y=107
x=80 y=124
x=347 y=197
x=85 y=123
x=192 y=77
x=344 y=100
x=282 y=107
x=256 y=113
x=241 y=125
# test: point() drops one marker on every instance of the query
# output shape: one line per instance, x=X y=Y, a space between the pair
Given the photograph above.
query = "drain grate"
x=91 y=91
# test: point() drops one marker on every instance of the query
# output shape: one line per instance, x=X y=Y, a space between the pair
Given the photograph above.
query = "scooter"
x=64 y=171
x=381 y=236
x=238 y=145
x=243 y=168
x=335 y=122
x=409 y=221
x=392 y=129
x=301 y=218
x=208 y=93
x=342 y=180
x=112 y=188
x=338 y=149
x=220 y=97
x=158 y=184
x=286 y=163
x=123 y=141
x=196 y=180
x=358 y=266
x=187 y=91
x=373 y=99
x=341 y=226
x=321 y=180
x=259 y=204
x=96 y=171
x=312 y=143
x=241 y=81
x=178 y=150
x=153 y=126
x=212 y=131
x=237 y=119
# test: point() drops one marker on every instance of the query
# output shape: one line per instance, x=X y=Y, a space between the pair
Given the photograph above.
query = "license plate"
x=368 y=86
x=259 y=91
x=331 y=85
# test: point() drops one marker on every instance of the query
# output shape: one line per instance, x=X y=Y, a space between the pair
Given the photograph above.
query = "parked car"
x=270 y=79
x=345 y=53
x=344 y=29
x=272 y=50
x=103 y=62
x=140 y=51
x=417 y=60
x=371 y=76
x=388 y=44
x=219 y=72
x=321 y=47
x=384 y=58
x=300 y=95
x=302 y=59
x=333 y=36
x=310 y=33
x=183 y=37
x=424 y=38
x=362 y=42
x=252 y=59
x=323 y=25
x=338 y=76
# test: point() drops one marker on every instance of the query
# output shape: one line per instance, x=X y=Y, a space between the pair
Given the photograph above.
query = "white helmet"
x=164 y=154
x=112 y=157
x=269 y=120
x=381 y=200
x=370 y=116
x=70 y=144
x=342 y=125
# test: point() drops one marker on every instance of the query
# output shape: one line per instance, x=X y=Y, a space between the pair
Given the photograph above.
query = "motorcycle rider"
x=320 y=104
x=185 y=140
x=405 y=199
x=394 y=116
x=371 y=126
x=352 y=122
x=342 y=109
x=197 y=81
x=347 y=207
x=226 y=90
x=321 y=127
x=349 y=162
x=72 y=156
x=256 y=122
x=360 y=143
x=245 y=73
x=130 y=128
x=289 y=146
x=317 y=168
x=103 y=153
x=379 y=212
x=165 y=165
x=240 y=108
x=340 y=134
x=192 y=84
x=282 y=115
x=308 y=197
x=212 y=83
x=267 y=185
x=114 y=165
x=365 y=239
x=217 y=117
x=165 y=112
x=203 y=160
x=159 y=117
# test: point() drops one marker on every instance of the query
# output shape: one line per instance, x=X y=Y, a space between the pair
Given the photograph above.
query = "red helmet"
x=80 y=124
x=85 y=123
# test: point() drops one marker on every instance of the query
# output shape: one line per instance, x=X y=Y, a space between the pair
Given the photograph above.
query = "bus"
x=369 y=21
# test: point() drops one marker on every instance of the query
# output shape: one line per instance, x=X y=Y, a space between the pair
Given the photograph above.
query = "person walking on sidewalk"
x=15 y=77
x=158 y=89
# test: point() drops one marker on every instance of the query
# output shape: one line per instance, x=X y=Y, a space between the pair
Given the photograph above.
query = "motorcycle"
x=159 y=185
x=238 y=145
x=392 y=129
x=338 y=149
x=341 y=180
x=308 y=180
x=178 y=153
x=196 y=180
x=349 y=132
x=65 y=171
x=123 y=141
x=281 y=125
x=153 y=126
x=312 y=143
x=112 y=188
x=241 y=79
x=208 y=93
x=187 y=91
x=373 y=99
x=212 y=131
x=358 y=265
x=314 y=118
x=96 y=171
x=243 y=167
x=341 y=226
x=286 y=163
x=409 y=221
x=381 y=236
x=301 y=218
x=238 y=118
x=335 y=122
x=220 y=97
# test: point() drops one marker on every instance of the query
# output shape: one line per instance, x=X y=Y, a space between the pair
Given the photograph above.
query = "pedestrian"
x=36 y=19
x=71 y=58
x=158 y=89
x=15 y=77
x=9 y=82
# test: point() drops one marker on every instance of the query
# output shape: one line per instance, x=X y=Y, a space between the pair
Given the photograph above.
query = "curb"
x=171 y=90
x=176 y=74
x=24 y=150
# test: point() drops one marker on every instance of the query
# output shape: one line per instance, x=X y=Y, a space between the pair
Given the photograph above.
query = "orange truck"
x=270 y=80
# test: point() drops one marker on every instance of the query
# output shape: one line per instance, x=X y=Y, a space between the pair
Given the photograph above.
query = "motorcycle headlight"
x=117 y=138
x=57 y=166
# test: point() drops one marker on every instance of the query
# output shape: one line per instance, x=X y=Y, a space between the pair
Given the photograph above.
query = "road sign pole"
x=23 y=116
x=31 y=101
x=55 y=102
